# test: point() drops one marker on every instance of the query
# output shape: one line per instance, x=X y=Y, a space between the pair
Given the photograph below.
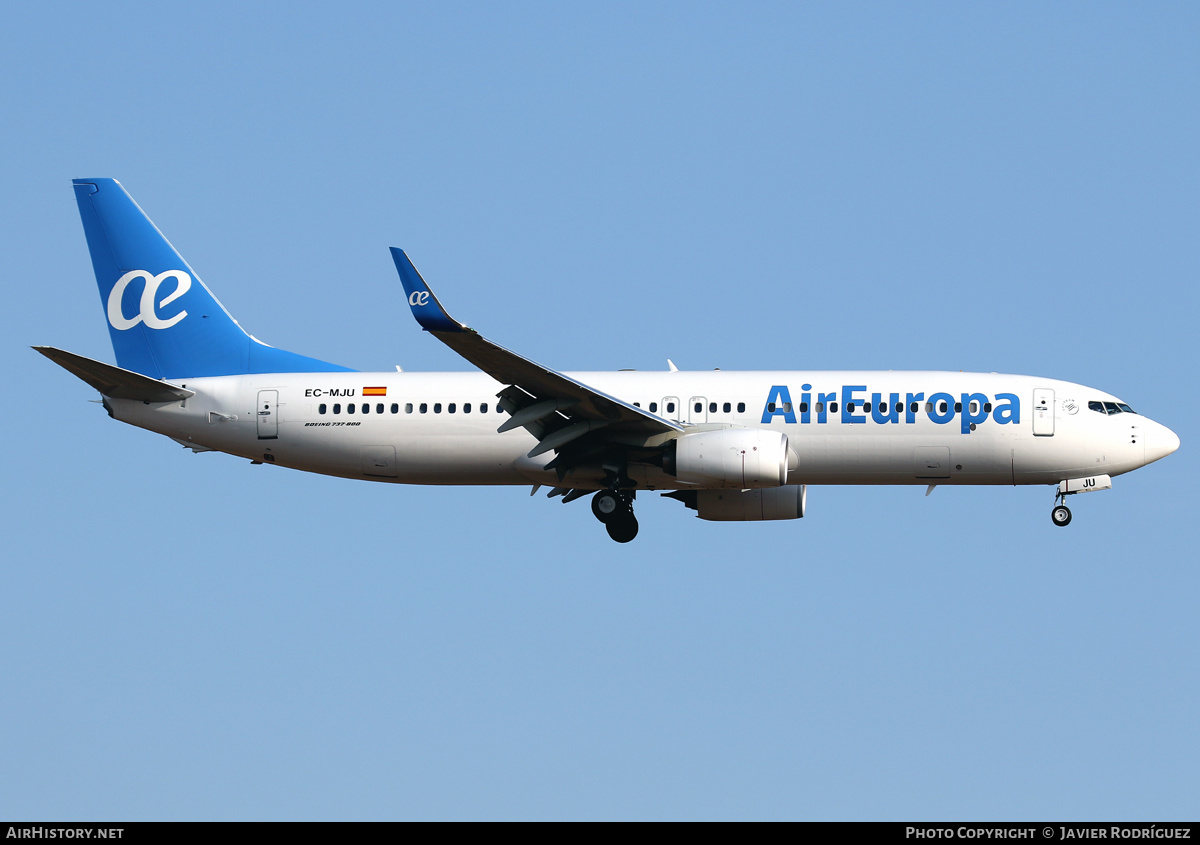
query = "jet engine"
x=739 y=458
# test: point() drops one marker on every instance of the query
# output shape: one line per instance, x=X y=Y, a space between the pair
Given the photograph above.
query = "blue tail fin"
x=163 y=321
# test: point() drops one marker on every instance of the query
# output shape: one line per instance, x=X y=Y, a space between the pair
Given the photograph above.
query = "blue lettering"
x=885 y=413
x=1011 y=409
x=848 y=391
x=969 y=418
x=939 y=416
x=823 y=402
x=942 y=408
x=910 y=415
x=779 y=403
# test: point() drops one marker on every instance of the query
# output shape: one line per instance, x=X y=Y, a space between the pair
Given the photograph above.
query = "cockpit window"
x=1110 y=408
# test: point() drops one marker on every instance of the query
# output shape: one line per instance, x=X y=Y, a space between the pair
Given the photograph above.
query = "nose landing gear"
x=615 y=509
x=1061 y=514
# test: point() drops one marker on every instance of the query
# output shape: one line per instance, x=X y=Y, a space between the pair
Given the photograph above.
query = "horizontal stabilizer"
x=113 y=381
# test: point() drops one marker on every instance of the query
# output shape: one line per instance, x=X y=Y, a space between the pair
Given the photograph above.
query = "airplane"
x=733 y=446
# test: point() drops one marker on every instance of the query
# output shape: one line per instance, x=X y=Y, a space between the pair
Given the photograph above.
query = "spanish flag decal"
x=374 y=391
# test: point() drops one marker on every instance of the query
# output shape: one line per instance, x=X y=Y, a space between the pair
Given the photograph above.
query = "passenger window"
x=379 y=408
x=727 y=407
x=941 y=407
x=321 y=408
x=366 y=408
x=914 y=407
x=900 y=407
x=437 y=407
x=350 y=408
x=787 y=407
x=408 y=407
x=929 y=407
x=337 y=409
x=866 y=407
x=483 y=407
x=833 y=407
x=637 y=404
x=850 y=406
x=654 y=407
x=741 y=407
x=424 y=407
x=987 y=407
x=771 y=407
x=451 y=408
x=466 y=407
x=395 y=408
x=699 y=407
x=670 y=407
x=974 y=408
x=712 y=407
x=958 y=407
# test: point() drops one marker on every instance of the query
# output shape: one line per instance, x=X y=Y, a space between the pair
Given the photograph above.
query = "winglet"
x=425 y=306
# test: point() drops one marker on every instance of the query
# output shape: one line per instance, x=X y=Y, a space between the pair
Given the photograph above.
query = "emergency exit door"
x=268 y=414
x=670 y=408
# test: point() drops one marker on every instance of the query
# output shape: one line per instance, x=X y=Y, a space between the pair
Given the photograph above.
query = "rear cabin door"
x=268 y=414
x=1043 y=412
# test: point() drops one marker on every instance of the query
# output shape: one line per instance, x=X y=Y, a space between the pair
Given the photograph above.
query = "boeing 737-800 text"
x=730 y=445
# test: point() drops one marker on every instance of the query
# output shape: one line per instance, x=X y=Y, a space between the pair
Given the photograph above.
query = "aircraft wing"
x=555 y=408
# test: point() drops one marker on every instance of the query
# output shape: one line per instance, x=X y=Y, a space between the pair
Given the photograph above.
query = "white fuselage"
x=440 y=428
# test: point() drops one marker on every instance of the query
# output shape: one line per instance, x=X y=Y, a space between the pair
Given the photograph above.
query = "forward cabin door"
x=1043 y=412
x=268 y=415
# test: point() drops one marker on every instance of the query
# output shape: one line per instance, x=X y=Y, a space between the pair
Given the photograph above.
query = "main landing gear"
x=615 y=509
x=1060 y=515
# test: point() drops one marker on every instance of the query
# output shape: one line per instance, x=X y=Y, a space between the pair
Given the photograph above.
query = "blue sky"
x=992 y=187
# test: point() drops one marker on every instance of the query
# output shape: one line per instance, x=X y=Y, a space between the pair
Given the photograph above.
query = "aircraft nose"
x=1160 y=442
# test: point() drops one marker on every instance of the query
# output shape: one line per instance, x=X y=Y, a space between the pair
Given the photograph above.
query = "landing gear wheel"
x=622 y=529
x=607 y=506
x=1061 y=515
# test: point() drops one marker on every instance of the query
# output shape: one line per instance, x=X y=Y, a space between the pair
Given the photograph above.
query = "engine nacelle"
x=739 y=458
x=746 y=505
